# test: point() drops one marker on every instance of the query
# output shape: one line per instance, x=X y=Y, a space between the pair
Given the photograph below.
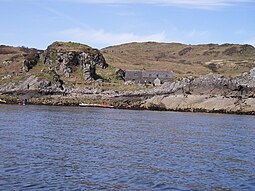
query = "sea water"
x=73 y=148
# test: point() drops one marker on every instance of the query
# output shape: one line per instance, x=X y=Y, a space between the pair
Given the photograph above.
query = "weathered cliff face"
x=25 y=69
x=66 y=57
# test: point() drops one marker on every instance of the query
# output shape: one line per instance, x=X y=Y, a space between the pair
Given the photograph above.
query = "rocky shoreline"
x=178 y=103
x=209 y=94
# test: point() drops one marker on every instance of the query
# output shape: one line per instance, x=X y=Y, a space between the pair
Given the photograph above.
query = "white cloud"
x=194 y=34
x=101 y=38
x=191 y=3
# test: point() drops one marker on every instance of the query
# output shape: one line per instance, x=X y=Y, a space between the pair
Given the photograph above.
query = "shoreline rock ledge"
x=212 y=93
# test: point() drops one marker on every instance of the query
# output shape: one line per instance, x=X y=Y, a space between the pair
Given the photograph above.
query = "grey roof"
x=150 y=73
x=155 y=74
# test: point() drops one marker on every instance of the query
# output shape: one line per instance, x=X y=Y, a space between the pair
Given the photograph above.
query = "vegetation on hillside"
x=69 y=46
x=183 y=60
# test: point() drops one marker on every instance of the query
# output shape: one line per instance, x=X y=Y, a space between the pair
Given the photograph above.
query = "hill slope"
x=183 y=60
x=61 y=63
x=70 y=60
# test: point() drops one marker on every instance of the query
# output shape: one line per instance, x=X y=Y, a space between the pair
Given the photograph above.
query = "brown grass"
x=183 y=60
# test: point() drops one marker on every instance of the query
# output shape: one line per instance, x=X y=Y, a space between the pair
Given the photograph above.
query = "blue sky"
x=101 y=23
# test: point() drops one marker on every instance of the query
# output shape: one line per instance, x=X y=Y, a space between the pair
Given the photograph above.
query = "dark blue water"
x=72 y=148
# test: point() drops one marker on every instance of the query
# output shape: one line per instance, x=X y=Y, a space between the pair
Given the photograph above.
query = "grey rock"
x=8 y=76
x=30 y=60
x=120 y=74
x=30 y=82
x=7 y=62
x=87 y=61
x=43 y=84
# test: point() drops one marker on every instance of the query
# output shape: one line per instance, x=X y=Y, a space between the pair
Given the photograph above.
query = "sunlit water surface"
x=72 y=148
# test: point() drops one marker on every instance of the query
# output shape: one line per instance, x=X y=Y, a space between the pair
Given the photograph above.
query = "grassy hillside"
x=11 y=63
x=69 y=46
x=12 y=59
x=183 y=60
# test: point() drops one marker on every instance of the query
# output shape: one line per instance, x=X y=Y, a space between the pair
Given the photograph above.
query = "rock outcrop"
x=31 y=59
x=120 y=74
x=207 y=94
x=66 y=57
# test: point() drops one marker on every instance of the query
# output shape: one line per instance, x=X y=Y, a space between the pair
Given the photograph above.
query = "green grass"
x=107 y=74
x=41 y=71
x=69 y=46
x=108 y=77
x=53 y=56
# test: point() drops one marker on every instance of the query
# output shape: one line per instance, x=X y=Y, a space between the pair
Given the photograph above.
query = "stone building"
x=148 y=76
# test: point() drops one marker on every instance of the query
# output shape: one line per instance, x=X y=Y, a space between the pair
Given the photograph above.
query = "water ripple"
x=71 y=148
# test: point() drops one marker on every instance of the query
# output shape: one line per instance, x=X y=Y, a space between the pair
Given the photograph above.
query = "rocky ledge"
x=211 y=93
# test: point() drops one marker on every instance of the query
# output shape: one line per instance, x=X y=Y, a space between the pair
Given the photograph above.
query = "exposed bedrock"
x=207 y=93
x=66 y=57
